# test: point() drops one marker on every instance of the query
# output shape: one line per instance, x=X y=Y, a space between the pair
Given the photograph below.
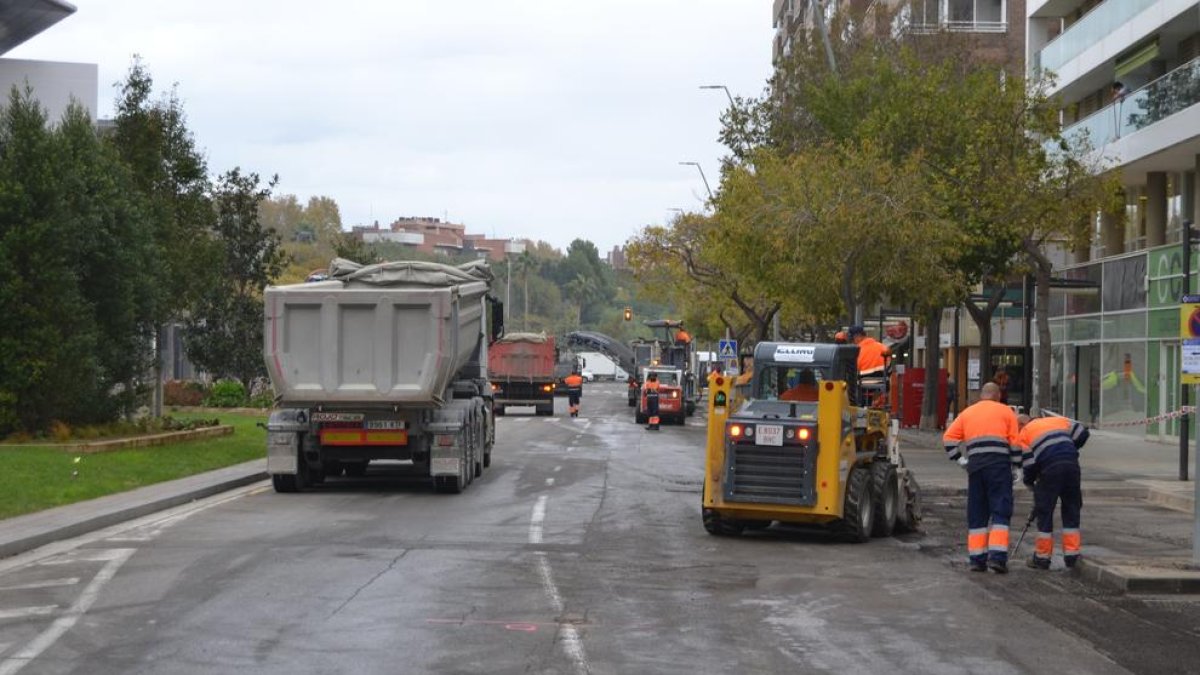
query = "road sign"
x=727 y=350
x=1189 y=338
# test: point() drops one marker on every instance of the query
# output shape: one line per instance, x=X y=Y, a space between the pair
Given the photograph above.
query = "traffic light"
x=629 y=314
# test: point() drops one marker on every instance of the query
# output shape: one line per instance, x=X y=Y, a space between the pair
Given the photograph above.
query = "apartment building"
x=433 y=235
x=55 y=83
x=1128 y=76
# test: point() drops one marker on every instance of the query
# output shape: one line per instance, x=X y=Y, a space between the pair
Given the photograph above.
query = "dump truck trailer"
x=521 y=369
x=381 y=362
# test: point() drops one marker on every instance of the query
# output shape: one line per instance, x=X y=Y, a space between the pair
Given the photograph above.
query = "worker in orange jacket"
x=651 y=392
x=574 y=383
x=872 y=354
x=983 y=440
x=1050 y=465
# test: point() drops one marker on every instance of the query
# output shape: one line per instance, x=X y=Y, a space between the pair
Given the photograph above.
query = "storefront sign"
x=1189 y=339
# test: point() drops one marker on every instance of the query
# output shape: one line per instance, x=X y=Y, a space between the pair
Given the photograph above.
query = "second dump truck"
x=382 y=362
x=805 y=447
x=521 y=368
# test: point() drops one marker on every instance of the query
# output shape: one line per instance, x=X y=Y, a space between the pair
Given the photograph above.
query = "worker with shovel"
x=1050 y=466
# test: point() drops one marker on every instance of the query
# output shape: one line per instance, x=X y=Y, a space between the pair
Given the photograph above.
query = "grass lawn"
x=34 y=479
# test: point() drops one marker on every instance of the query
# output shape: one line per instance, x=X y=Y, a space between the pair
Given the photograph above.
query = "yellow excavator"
x=805 y=447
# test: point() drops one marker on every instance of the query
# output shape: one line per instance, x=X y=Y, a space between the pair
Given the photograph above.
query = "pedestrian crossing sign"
x=727 y=350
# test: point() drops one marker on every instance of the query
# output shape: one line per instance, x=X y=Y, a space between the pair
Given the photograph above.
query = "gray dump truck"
x=381 y=362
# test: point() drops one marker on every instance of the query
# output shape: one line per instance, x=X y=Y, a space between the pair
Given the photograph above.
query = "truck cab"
x=670 y=395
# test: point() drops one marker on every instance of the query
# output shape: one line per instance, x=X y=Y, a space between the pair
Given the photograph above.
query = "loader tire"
x=910 y=510
x=885 y=491
x=715 y=525
x=858 y=514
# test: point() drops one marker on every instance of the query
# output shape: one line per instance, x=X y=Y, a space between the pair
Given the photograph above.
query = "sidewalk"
x=1145 y=541
x=27 y=532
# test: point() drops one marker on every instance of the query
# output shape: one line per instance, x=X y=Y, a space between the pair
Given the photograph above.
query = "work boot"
x=978 y=567
x=1037 y=563
x=998 y=566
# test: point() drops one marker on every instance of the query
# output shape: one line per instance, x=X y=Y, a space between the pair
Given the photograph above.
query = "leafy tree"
x=225 y=331
x=152 y=138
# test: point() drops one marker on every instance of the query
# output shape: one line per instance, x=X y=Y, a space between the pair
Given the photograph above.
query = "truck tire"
x=546 y=411
x=885 y=492
x=452 y=484
x=858 y=514
x=284 y=482
x=487 y=459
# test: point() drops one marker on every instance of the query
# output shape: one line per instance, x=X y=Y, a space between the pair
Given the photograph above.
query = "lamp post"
x=720 y=86
x=702 y=176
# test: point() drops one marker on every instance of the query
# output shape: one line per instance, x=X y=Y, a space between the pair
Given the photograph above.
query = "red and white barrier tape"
x=1157 y=418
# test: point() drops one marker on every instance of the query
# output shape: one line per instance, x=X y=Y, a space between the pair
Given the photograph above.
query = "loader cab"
x=780 y=367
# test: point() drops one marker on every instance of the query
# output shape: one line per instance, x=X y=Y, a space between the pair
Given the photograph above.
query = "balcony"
x=954 y=16
x=1088 y=31
x=958 y=27
x=1166 y=96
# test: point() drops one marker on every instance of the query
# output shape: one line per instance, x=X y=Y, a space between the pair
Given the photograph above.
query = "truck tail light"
x=547 y=387
x=445 y=440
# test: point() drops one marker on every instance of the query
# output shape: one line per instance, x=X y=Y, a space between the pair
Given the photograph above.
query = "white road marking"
x=535 y=521
x=48 y=551
x=568 y=634
x=115 y=558
x=49 y=583
x=22 y=612
x=558 y=468
x=549 y=482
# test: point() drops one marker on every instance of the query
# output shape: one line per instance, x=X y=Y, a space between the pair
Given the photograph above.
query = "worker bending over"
x=987 y=430
x=1050 y=463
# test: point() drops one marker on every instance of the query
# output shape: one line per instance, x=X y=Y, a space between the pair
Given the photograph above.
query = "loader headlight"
x=735 y=431
x=803 y=434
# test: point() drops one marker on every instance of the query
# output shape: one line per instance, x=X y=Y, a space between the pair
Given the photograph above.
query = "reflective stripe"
x=1044 y=546
x=977 y=541
x=998 y=538
x=1072 y=541
x=1049 y=438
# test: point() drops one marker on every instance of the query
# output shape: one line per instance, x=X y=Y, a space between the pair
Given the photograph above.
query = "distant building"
x=616 y=258
x=432 y=235
x=54 y=83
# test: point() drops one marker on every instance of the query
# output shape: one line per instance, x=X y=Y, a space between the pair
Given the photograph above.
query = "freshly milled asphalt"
x=579 y=550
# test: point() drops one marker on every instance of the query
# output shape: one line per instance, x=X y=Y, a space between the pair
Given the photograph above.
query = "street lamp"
x=720 y=86
x=702 y=176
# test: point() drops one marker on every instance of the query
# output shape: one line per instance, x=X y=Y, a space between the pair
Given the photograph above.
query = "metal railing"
x=1169 y=94
x=1093 y=27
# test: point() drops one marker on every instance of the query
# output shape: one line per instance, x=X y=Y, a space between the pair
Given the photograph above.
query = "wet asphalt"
x=579 y=550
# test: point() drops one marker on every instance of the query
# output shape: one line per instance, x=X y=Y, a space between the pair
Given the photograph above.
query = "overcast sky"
x=547 y=119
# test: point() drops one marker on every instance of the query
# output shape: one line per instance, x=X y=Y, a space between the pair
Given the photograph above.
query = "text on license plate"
x=768 y=434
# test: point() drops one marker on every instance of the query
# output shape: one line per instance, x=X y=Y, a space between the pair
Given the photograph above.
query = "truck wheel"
x=886 y=495
x=452 y=484
x=756 y=524
x=284 y=482
x=858 y=514
x=546 y=411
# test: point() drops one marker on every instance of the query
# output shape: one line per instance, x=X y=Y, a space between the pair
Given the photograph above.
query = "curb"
x=1159 y=580
x=123 y=514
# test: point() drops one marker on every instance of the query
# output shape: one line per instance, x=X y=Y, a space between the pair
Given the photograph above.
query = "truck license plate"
x=768 y=434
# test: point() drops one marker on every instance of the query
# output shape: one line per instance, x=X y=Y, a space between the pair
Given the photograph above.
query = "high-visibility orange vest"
x=574 y=381
x=985 y=427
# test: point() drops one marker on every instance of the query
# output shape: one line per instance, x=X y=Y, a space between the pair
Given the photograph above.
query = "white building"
x=54 y=83
x=1129 y=75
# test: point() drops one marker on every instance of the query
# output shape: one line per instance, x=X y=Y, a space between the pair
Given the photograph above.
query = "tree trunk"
x=933 y=352
x=983 y=321
x=525 y=292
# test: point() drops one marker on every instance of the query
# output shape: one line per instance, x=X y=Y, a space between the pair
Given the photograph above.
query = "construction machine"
x=805 y=447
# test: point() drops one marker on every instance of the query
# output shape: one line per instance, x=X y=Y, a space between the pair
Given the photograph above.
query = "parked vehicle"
x=386 y=361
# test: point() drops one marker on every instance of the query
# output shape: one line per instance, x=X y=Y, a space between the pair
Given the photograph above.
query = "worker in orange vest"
x=574 y=383
x=651 y=392
x=804 y=389
x=1050 y=462
x=988 y=430
x=872 y=354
